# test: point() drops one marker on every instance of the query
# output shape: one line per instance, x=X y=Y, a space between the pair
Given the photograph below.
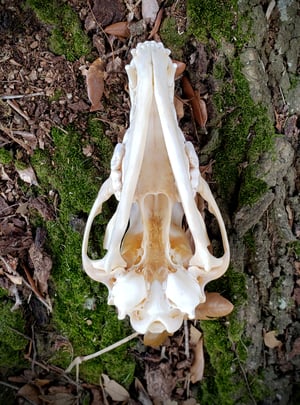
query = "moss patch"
x=171 y=38
x=12 y=344
x=67 y=37
x=226 y=346
x=212 y=19
x=80 y=312
x=246 y=133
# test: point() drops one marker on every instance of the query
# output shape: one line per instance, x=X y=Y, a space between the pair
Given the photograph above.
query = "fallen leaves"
x=197 y=103
x=215 y=306
x=270 y=339
x=95 y=83
x=114 y=389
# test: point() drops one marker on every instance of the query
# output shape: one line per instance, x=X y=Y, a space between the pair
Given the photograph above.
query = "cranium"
x=154 y=268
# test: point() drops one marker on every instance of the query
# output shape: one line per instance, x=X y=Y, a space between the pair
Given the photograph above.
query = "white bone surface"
x=155 y=269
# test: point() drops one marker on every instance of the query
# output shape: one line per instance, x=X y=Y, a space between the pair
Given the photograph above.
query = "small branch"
x=80 y=359
x=10 y=270
x=15 y=106
x=16 y=96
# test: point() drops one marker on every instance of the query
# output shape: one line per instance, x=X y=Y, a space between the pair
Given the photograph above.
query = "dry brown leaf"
x=270 y=340
x=155 y=339
x=157 y=23
x=197 y=368
x=195 y=335
x=42 y=264
x=178 y=103
x=149 y=10
x=28 y=175
x=60 y=398
x=31 y=393
x=119 y=29
x=114 y=389
x=180 y=68
x=215 y=306
x=198 y=104
x=95 y=83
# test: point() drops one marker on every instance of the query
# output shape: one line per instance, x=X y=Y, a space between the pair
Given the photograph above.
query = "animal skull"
x=155 y=270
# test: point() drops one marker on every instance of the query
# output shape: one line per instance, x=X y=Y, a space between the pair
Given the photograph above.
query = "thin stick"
x=76 y=362
x=15 y=96
x=10 y=270
x=186 y=339
x=15 y=106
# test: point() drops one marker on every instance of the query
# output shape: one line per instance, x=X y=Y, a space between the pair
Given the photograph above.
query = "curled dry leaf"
x=149 y=10
x=180 y=68
x=215 y=306
x=42 y=267
x=270 y=340
x=95 y=83
x=155 y=29
x=114 y=390
x=28 y=176
x=119 y=29
x=197 y=368
x=155 y=339
x=198 y=104
x=178 y=103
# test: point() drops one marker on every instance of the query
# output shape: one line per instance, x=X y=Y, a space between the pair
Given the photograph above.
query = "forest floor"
x=243 y=63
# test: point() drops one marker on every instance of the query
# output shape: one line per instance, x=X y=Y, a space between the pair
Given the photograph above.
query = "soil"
x=41 y=90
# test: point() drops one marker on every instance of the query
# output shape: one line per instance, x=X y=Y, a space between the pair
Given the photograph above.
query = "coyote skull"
x=154 y=268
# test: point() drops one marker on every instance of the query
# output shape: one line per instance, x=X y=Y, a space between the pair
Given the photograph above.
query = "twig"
x=10 y=133
x=78 y=360
x=186 y=339
x=55 y=369
x=15 y=96
x=34 y=290
x=15 y=106
x=245 y=377
x=9 y=385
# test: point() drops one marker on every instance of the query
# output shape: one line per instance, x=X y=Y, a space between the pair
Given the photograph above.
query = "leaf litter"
x=42 y=90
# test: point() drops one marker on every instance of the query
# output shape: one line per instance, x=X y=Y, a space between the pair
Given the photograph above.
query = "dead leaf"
x=155 y=339
x=270 y=340
x=59 y=398
x=178 y=103
x=43 y=208
x=180 y=68
x=95 y=83
x=114 y=389
x=198 y=104
x=195 y=336
x=143 y=396
x=119 y=29
x=149 y=10
x=42 y=264
x=31 y=393
x=197 y=368
x=215 y=306
x=106 y=12
x=28 y=175
x=157 y=24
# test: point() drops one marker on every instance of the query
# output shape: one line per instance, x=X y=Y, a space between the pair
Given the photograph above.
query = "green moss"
x=171 y=38
x=67 y=37
x=12 y=344
x=5 y=156
x=212 y=19
x=294 y=248
x=246 y=133
x=80 y=312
